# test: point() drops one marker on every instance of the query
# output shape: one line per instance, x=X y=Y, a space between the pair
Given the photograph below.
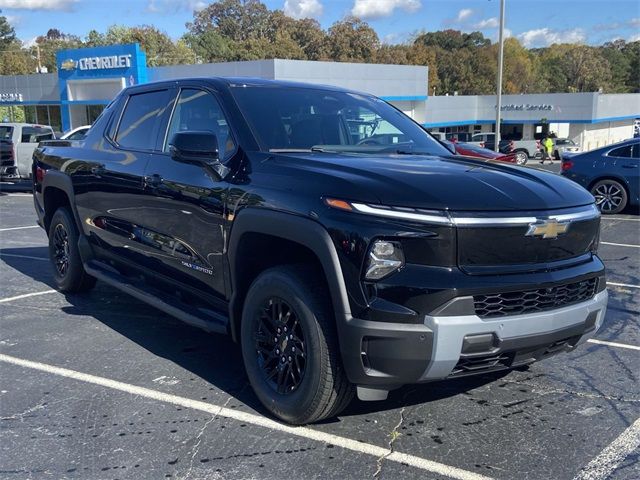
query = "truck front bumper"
x=384 y=356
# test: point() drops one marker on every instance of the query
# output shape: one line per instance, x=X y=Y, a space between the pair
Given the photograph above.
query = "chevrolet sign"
x=547 y=228
x=105 y=63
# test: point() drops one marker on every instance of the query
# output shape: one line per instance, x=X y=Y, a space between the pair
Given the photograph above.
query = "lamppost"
x=500 y=60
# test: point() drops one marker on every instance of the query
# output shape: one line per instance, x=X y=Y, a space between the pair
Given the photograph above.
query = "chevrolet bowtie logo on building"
x=547 y=228
x=69 y=65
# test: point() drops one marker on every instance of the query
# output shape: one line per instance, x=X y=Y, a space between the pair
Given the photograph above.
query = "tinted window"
x=139 y=123
x=198 y=110
x=6 y=133
x=301 y=118
x=36 y=134
x=564 y=141
x=622 y=152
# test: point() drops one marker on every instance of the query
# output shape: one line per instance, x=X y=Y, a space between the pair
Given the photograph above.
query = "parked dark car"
x=611 y=174
x=340 y=258
x=471 y=150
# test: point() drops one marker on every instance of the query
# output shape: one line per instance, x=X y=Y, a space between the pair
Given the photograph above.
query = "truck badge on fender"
x=547 y=228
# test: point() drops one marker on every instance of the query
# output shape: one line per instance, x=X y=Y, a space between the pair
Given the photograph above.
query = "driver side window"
x=197 y=110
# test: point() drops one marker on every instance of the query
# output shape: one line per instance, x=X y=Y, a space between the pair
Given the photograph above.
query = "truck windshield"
x=6 y=132
x=310 y=119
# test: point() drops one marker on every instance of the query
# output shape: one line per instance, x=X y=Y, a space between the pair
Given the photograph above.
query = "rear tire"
x=521 y=158
x=290 y=346
x=611 y=196
x=68 y=271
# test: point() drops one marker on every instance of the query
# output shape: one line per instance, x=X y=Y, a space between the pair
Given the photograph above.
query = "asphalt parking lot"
x=103 y=386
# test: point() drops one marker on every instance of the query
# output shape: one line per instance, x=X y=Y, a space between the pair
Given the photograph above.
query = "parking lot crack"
x=198 y=439
x=393 y=436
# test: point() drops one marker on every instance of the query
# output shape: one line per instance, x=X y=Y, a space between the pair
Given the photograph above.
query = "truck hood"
x=444 y=183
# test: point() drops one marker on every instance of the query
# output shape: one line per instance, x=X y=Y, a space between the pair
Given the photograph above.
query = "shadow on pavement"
x=214 y=358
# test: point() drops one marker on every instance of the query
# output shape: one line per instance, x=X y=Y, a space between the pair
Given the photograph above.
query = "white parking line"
x=606 y=217
x=18 y=228
x=614 y=284
x=26 y=295
x=620 y=244
x=2 y=254
x=304 y=432
x=608 y=460
x=613 y=344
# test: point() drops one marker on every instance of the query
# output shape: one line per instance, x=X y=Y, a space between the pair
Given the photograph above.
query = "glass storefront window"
x=55 y=119
x=30 y=114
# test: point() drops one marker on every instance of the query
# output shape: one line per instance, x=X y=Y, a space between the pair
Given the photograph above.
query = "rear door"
x=109 y=191
x=30 y=136
x=625 y=161
x=185 y=203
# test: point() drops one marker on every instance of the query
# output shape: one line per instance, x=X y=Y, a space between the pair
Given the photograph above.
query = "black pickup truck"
x=341 y=245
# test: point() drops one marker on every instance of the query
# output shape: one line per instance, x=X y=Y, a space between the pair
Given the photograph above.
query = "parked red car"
x=471 y=150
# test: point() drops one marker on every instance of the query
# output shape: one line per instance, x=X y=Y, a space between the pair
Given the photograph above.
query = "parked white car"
x=17 y=143
x=76 y=134
x=563 y=145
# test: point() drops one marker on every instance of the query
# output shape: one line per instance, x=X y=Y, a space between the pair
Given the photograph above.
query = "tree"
x=237 y=20
x=7 y=33
x=157 y=45
x=587 y=70
x=352 y=40
x=50 y=43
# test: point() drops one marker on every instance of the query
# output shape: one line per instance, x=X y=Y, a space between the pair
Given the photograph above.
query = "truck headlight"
x=384 y=258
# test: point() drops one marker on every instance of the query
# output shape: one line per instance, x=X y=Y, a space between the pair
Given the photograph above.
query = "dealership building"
x=87 y=79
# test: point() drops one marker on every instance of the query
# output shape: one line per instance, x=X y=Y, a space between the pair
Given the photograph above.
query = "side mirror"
x=199 y=147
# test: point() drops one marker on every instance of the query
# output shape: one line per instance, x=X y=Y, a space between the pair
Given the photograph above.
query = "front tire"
x=611 y=196
x=290 y=346
x=68 y=271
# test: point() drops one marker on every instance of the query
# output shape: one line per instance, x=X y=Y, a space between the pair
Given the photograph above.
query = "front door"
x=185 y=207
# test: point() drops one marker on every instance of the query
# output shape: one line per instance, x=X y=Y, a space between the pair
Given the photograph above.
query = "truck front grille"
x=531 y=301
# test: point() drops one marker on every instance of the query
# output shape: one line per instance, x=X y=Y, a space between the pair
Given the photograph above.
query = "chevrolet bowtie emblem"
x=69 y=65
x=547 y=228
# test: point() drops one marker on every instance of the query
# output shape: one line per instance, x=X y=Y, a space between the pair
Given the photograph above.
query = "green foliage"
x=7 y=33
x=236 y=30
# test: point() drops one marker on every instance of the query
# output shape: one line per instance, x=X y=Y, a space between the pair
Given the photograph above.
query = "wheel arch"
x=268 y=232
x=57 y=191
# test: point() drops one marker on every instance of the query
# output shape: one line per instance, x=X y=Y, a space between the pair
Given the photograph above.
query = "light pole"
x=500 y=60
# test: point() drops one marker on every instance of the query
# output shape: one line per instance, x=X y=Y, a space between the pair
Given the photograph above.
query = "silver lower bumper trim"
x=449 y=332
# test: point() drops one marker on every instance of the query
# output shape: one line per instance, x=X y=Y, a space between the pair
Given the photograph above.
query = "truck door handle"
x=153 y=181
x=629 y=166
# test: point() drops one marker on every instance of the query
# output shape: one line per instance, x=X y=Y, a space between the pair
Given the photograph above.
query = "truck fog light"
x=384 y=258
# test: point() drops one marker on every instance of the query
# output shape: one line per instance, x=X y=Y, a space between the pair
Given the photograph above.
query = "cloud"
x=14 y=20
x=543 y=37
x=464 y=14
x=174 y=6
x=303 y=8
x=634 y=38
x=66 y=5
x=487 y=23
x=382 y=8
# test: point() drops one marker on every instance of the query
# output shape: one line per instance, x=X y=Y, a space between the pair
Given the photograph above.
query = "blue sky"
x=535 y=22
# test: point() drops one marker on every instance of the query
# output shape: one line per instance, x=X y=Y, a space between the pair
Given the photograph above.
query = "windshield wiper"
x=290 y=150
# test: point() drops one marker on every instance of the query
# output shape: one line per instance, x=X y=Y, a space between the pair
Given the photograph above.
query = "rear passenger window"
x=622 y=152
x=36 y=134
x=138 y=127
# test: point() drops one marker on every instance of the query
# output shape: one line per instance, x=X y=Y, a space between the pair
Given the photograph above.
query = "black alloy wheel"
x=61 y=249
x=280 y=345
x=68 y=270
x=611 y=197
